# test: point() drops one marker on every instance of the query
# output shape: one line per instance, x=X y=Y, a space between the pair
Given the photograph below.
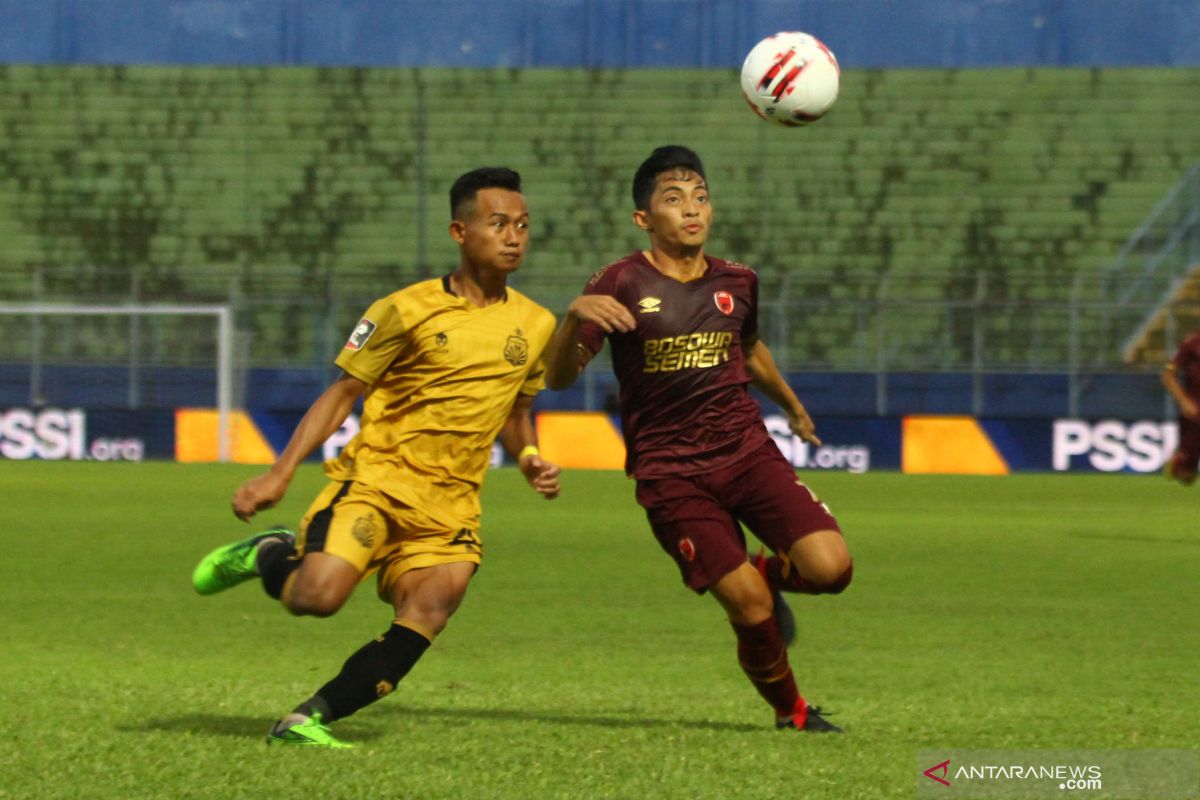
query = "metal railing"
x=966 y=321
x=1150 y=269
x=929 y=322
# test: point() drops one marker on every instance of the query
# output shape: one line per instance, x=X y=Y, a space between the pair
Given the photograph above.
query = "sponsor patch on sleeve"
x=362 y=332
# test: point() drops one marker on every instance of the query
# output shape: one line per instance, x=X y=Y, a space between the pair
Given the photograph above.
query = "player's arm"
x=566 y=356
x=518 y=438
x=323 y=418
x=1170 y=381
x=766 y=377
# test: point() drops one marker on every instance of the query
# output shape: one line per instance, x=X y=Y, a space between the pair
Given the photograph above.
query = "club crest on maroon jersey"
x=724 y=301
x=687 y=548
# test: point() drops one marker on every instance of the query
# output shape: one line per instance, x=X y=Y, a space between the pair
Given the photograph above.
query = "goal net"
x=107 y=382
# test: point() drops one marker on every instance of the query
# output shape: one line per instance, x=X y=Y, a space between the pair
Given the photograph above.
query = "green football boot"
x=310 y=733
x=232 y=564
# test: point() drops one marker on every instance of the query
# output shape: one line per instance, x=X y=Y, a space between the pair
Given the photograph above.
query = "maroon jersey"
x=1187 y=362
x=685 y=409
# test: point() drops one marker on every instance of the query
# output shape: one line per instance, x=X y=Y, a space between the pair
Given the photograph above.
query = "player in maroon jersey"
x=683 y=328
x=1183 y=462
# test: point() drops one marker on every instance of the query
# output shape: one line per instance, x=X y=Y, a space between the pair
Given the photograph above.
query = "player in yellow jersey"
x=444 y=367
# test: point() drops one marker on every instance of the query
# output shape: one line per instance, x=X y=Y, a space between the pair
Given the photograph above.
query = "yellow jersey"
x=442 y=375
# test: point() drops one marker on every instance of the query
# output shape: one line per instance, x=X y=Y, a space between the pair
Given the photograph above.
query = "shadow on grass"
x=236 y=727
x=242 y=727
x=552 y=718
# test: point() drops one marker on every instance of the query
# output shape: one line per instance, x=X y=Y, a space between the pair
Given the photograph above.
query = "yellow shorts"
x=376 y=532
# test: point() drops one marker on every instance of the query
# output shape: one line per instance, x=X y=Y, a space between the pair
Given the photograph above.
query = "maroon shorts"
x=1187 y=454
x=697 y=519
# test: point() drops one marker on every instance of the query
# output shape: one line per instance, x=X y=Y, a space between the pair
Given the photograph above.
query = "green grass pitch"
x=1033 y=611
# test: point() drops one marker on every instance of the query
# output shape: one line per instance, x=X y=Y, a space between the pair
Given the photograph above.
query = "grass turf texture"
x=1021 y=612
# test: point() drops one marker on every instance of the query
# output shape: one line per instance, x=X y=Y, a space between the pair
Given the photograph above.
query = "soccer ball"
x=790 y=78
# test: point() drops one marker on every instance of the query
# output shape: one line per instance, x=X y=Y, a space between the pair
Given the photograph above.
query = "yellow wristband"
x=527 y=450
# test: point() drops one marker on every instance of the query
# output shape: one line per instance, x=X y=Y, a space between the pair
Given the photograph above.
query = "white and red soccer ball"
x=790 y=78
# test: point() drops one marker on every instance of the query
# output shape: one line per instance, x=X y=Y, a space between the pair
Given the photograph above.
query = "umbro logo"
x=649 y=305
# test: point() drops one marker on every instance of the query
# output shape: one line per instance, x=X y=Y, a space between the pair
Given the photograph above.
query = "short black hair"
x=663 y=159
x=468 y=185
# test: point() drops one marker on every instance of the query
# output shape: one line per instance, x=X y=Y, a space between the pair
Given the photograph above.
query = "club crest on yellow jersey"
x=516 y=349
x=364 y=531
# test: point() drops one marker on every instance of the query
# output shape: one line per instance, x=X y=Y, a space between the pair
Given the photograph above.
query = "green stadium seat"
x=259 y=176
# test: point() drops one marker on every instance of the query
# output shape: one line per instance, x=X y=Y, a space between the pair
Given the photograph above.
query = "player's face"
x=496 y=231
x=679 y=214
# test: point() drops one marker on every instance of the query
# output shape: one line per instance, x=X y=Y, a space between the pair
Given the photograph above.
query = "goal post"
x=32 y=349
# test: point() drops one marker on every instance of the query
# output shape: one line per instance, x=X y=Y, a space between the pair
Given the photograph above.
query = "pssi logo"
x=53 y=434
x=1113 y=446
x=802 y=455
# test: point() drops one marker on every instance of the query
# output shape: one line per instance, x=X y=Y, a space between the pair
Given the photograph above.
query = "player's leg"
x=1182 y=464
x=424 y=575
x=316 y=584
x=320 y=585
x=783 y=612
x=708 y=547
x=231 y=564
x=820 y=564
x=817 y=563
x=423 y=600
x=762 y=650
x=340 y=535
x=810 y=553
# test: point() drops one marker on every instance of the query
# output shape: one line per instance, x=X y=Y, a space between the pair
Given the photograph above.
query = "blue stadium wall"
x=597 y=33
x=914 y=444
x=825 y=394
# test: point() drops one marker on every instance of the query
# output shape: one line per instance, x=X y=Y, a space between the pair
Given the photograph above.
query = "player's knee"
x=751 y=609
x=840 y=582
x=309 y=600
x=431 y=624
x=310 y=606
x=748 y=608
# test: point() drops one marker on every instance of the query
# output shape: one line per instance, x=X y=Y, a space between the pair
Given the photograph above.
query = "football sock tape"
x=275 y=563
x=764 y=658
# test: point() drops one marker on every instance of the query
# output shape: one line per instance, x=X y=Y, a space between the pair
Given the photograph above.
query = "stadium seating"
x=305 y=192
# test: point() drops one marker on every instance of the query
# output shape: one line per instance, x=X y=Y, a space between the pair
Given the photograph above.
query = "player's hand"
x=257 y=494
x=542 y=475
x=802 y=425
x=1190 y=410
x=604 y=310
